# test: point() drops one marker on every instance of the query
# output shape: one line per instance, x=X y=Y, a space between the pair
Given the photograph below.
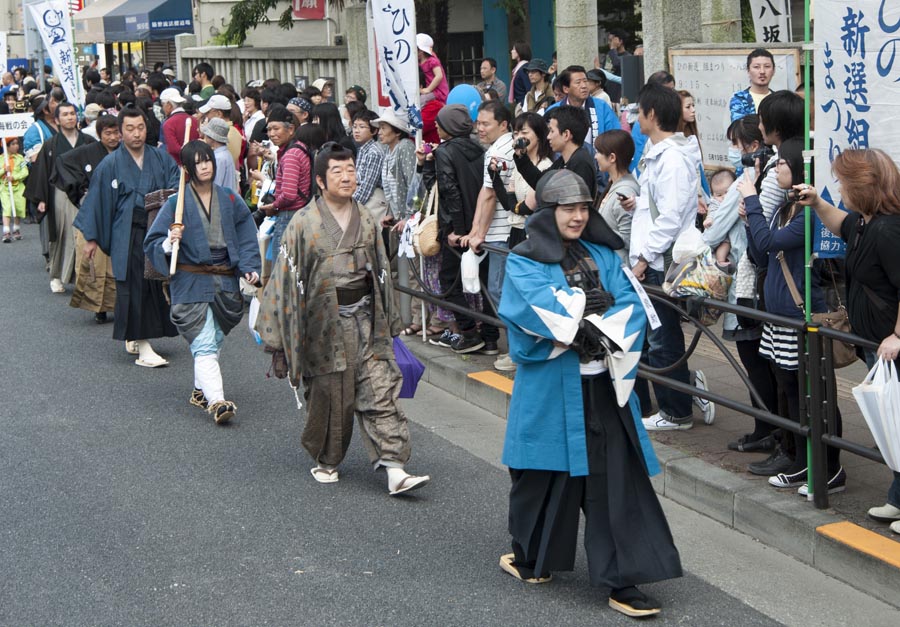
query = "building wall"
x=11 y=21
x=212 y=17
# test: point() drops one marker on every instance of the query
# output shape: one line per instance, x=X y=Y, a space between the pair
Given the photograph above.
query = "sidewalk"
x=700 y=472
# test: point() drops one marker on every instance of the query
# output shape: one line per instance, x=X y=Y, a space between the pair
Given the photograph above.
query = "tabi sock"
x=209 y=377
x=395 y=476
x=145 y=351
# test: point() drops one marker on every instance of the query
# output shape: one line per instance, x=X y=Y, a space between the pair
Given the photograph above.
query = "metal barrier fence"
x=818 y=405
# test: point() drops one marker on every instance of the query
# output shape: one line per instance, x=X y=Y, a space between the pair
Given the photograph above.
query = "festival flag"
x=395 y=36
x=51 y=17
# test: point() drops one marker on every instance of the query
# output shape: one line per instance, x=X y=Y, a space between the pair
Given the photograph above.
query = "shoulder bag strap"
x=792 y=287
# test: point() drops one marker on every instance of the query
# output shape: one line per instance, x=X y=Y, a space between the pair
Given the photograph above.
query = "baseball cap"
x=216 y=101
x=170 y=94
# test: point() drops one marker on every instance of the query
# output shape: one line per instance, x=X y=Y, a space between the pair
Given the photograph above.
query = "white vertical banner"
x=2 y=51
x=771 y=21
x=857 y=78
x=398 y=59
x=55 y=27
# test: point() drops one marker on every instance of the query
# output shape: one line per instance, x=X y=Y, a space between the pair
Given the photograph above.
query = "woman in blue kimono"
x=218 y=246
x=574 y=438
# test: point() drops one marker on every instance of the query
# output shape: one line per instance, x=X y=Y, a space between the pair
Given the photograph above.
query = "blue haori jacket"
x=240 y=239
x=117 y=187
x=545 y=428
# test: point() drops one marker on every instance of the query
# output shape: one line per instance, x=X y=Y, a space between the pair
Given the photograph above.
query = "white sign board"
x=857 y=69
x=771 y=21
x=15 y=124
x=712 y=77
x=397 y=55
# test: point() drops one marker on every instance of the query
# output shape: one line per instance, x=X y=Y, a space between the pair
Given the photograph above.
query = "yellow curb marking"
x=864 y=541
x=497 y=381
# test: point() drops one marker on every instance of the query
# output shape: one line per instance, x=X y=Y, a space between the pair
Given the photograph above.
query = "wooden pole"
x=179 y=204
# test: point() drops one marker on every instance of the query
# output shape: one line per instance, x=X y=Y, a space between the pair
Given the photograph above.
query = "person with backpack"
x=293 y=176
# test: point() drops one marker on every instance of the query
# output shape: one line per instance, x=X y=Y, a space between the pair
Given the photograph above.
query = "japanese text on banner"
x=16 y=124
x=395 y=34
x=51 y=18
x=857 y=74
x=771 y=21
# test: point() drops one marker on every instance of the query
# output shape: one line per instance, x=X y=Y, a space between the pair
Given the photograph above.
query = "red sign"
x=309 y=9
x=75 y=6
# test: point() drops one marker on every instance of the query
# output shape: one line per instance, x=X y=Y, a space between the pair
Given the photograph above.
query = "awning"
x=89 y=21
x=153 y=20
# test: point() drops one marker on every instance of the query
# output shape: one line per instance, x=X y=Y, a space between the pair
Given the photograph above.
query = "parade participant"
x=52 y=202
x=326 y=317
x=576 y=442
x=12 y=181
x=218 y=245
x=113 y=219
x=95 y=285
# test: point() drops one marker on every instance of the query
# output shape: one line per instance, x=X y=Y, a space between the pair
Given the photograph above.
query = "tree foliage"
x=247 y=14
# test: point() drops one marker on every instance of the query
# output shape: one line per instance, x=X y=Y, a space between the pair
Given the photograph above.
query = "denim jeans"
x=893 y=496
x=666 y=347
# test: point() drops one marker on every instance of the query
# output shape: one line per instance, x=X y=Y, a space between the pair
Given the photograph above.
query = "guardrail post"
x=816 y=457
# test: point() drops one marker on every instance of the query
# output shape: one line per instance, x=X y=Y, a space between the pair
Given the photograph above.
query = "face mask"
x=734 y=157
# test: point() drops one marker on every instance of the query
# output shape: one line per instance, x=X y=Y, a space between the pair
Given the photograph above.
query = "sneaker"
x=661 y=422
x=198 y=399
x=7 y=238
x=505 y=363
x=836 y=484
x=17 y=235
x=885 y=513
x=707 y=407
x=222 y=411
x=793 y=480
x=489 y=348
x=463 y=344
x=777 y=462
x=895 y=527
x=445 y=339
x=57 y=287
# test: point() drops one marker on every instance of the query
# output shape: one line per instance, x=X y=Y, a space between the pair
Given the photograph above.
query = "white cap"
x=389 y=117
x=170 y=94
x=216 y=101
x=425 y=43
x=169 y=72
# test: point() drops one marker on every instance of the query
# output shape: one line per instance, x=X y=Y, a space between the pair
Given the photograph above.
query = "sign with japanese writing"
x=771 y=20
x=857 y=77
x=397 y=56
x=52 y=20
x=712 y=77
x=308 y=9
x=15 y=124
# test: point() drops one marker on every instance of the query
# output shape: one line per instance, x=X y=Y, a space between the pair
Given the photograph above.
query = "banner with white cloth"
x=857 y=70
x=771 y=20
x=395 y=36
x=51 y=17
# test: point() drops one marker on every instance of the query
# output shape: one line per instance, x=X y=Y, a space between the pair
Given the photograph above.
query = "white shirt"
x=670 y=175
x=250 y=124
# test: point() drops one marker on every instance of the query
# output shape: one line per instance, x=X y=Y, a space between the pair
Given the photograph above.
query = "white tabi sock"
x=395 y=476
x=208 y=377
x=146 y=352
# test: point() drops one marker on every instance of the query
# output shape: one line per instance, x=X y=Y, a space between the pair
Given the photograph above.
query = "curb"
x=783 y=521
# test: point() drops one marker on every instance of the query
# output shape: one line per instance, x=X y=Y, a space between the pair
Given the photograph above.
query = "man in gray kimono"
x=325 y=315
x=218 y=246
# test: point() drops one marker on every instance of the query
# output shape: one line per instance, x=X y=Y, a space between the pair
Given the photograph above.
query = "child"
x=719 y=184
x=436 y=86
x=16 y=170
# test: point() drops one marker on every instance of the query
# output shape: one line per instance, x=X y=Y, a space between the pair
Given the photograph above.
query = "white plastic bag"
x=878 y=397
x=252 y=315
x=688 y=244
x=468 y=267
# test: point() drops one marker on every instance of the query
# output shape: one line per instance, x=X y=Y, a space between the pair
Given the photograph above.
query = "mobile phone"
x=621 y=196
x=426 y=148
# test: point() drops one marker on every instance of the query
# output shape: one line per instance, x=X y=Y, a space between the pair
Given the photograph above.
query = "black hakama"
x=142 y=312
x=627 y=538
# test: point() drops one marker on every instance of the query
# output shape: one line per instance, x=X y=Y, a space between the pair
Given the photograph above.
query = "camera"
x=763 y=154
x=521 y=144
x=795 y=194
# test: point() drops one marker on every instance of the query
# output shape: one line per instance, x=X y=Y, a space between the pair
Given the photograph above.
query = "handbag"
x=425 y=235
x=844 y=354
x=153 y=202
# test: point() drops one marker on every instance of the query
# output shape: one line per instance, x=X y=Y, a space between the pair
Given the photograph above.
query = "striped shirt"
x=292 y=179
x=502 y=151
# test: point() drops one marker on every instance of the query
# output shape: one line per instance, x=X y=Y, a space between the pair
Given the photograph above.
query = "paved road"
x=123 y=505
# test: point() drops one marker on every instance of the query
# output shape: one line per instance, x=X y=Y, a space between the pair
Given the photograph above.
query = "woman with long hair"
x=531 y=129
x=688 y=126
x=328 y=118
x=521 y=55
x=779 y=246
x=615 y=150
x=870 y=188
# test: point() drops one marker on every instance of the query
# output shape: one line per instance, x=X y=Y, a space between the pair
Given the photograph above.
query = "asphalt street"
x=124 y=505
